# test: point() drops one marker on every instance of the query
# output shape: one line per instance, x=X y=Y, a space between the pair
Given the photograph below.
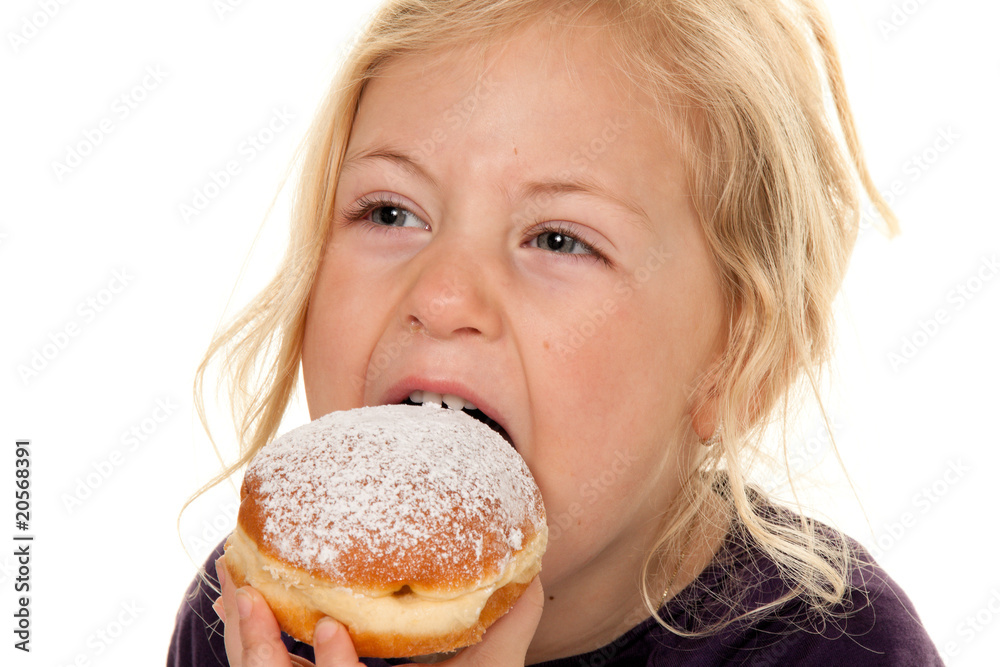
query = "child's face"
x=488 y=289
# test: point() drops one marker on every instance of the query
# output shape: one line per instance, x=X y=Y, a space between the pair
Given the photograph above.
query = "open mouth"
x=470 y=410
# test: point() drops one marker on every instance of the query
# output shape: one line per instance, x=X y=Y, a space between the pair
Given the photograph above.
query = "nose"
x=452 y=293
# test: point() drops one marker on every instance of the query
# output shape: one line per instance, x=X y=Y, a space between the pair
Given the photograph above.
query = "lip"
x=403 y=388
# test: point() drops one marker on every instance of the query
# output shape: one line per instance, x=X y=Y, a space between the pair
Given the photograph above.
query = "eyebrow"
x=529 y=191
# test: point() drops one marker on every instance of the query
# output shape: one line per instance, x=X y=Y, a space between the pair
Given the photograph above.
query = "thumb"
x=506 y=642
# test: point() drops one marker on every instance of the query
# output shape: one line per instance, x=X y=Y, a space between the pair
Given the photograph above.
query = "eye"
x=384 y=212
x=558 y=240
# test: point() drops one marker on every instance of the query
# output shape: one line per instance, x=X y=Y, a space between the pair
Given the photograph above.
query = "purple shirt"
x=878 y=626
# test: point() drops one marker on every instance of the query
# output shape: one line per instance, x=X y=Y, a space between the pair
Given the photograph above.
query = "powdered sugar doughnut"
x=416 y=527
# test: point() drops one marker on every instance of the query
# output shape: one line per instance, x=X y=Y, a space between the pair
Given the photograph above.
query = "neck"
x=580 y=616
x=603 y=600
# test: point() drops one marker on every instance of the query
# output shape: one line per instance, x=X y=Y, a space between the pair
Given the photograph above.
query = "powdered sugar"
x=424 y=485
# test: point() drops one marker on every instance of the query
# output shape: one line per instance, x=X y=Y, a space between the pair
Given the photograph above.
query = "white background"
x=117 y=556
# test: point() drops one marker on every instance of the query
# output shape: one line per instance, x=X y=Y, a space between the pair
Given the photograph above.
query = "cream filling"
x=420 y=615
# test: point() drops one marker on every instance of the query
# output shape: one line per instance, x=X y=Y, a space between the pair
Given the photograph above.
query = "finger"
x=234 y=648
x=219 y=609
x=507 y=640
x=333 y=646
x=260 y=634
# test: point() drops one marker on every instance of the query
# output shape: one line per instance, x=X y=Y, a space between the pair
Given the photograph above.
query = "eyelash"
x=367 y=204
x=556 y=228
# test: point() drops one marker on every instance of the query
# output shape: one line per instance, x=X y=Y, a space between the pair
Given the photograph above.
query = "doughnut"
x=415 y=526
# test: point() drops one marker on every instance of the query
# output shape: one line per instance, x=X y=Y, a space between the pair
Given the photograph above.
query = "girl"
x=617 y=228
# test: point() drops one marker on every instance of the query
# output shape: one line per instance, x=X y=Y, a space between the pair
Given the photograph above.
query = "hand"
x=253 y=638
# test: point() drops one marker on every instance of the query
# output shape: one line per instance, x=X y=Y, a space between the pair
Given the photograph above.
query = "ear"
x=705 y=417
x=704 y=410
x=704 y=420
x=704 y=405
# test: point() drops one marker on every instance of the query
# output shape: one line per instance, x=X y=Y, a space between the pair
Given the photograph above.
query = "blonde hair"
x=744 y=85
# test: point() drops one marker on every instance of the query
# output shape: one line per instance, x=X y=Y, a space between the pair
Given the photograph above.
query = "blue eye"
x=395 y=216
x=560 y=242
x=384 y=213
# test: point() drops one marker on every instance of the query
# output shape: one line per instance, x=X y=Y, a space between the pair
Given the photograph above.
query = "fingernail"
x=244 y=603
x=219 y=609
x=220 y=572
x=325 y=630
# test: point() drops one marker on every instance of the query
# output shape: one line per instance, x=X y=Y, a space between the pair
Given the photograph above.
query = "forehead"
x=542 y=103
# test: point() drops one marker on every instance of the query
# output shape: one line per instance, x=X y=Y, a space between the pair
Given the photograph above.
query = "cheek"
x=594 y=498
x=340 y=329
x=601 y=410
x=616 y=390
x=624 y=362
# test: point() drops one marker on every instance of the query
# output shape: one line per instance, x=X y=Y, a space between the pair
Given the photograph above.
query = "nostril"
x=414 y=324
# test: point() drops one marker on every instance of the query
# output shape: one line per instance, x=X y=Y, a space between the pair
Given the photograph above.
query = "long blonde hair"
x=746 y=85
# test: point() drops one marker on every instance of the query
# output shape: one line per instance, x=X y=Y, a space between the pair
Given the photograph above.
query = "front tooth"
x=430 y=398
x=454 y=402
x=470 y=406
x=417 y=396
